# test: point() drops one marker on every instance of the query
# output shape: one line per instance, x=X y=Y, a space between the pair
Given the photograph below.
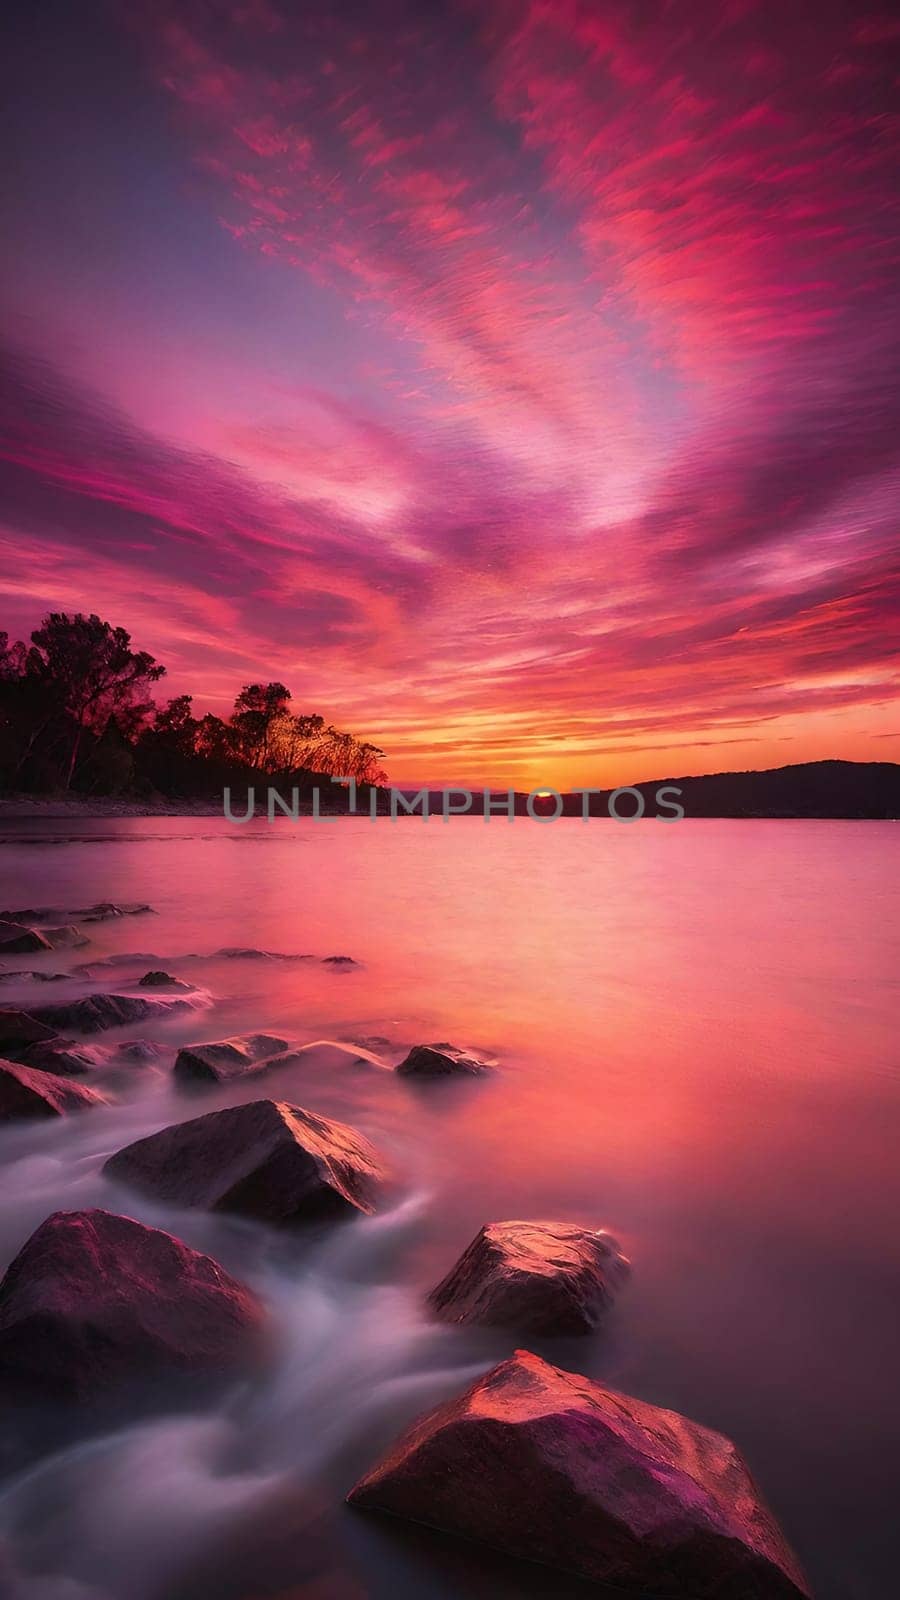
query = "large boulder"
x=225 y=1059
x=163 y=980
x=541 y=1277
x=20 y=1028
x=97 y=1012
x=16 y=938
x=265 y=1159
x=96 y=1306
x=553 y=1467
x=441 y=1061
x=29 y=1092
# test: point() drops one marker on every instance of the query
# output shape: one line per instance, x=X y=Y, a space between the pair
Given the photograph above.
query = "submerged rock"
x=131 y=958
x=164 y=980
x=233 y=952
x=542 y=1277
x=101 y=912
x=97 y=1012
x=139 y=1052
x=97 y=1305
x=68 y=938
x=16 y=938
x=440 y=1061
x=225 y=1059
x=552 y=1467
x=20 y=1028
x=21 y=975
x=265 y=1159
x=29 y=1092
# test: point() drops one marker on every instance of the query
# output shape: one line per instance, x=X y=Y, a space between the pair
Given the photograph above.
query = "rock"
x=69 y=938
x=440 y=1061
x=139 y=1052
x=96 y=1305
x=552 y=1467
x=20 y=975
x=542 y=1277
x=339 y=961
x=250 y=953
x=64 y=1056
x=225 y=1059
x=105 y=909
x=131 y=958
x=162 y=980
x=102 y=912
x=97 y=1012
x=265 y=1159
x=28 y=1092
x=20 y=1028
x=16 y=939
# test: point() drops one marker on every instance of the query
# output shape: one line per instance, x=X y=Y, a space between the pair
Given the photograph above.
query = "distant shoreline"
x=817 y=790
x=14 y=808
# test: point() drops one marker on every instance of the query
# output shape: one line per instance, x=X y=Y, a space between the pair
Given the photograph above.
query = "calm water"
x=697 y=1027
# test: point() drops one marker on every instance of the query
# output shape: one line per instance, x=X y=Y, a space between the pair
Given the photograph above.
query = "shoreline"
x=21 y=808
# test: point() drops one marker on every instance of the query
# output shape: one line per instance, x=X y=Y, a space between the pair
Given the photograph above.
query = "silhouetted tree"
x=94 y=674
x=75 y=711
x=175 y=727
x=258 y=711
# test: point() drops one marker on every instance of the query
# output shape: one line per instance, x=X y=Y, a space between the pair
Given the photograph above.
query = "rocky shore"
x=103 y=1318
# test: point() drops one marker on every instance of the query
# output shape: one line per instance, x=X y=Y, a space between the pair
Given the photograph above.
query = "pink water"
x=697 y=1034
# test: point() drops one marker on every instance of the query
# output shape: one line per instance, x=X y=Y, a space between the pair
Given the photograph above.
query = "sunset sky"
x=517 y=380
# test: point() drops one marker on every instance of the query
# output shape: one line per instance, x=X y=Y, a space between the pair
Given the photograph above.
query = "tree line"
x=77 y=715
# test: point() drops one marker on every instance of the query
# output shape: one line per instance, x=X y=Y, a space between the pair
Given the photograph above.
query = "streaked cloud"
x=584 y=457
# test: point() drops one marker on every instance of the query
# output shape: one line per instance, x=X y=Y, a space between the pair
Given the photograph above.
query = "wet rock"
x=28 y=1092
x=64 y=1056
x=541 y=1277
x=225 y=1059
x=250 y=953
x=339 y=961
x=328 y=1055
x=20 y=975
x=440 y=1061
x=101 y=912
x=139 y=1052
x=16 y=938
x=68 y=938
x=96 y=1306
x=552 y=1467
x=19 y=1028
x=265 y=1159
x=105 y=909
x=97 y=1012
x=164 y=980
x=131 y=958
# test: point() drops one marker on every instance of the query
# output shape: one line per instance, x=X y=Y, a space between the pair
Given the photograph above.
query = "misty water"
x=696 y=1033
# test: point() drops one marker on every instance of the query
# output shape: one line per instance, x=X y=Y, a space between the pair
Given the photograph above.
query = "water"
x=697 y=1031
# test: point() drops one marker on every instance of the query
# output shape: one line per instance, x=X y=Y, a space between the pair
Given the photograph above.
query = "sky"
x=516 y=380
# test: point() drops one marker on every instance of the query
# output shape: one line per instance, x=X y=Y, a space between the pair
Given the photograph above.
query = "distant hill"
x=836 y=789
x=824 y=789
